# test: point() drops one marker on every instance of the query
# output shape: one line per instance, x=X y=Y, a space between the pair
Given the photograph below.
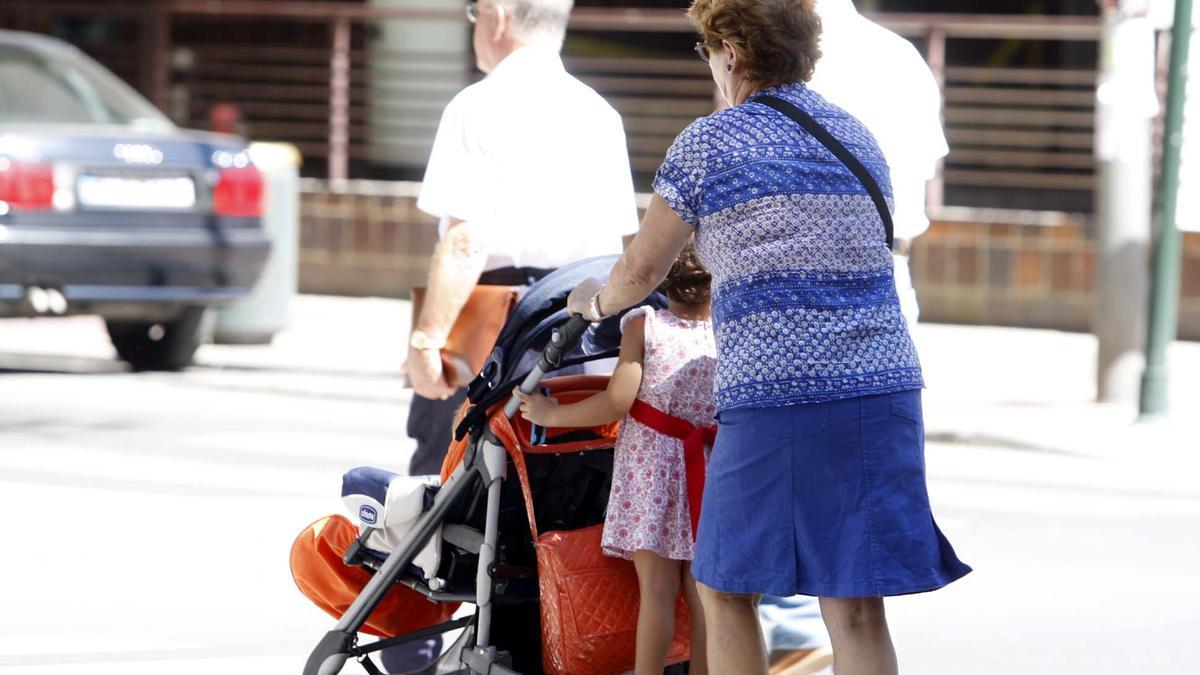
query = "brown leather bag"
x=474 y=332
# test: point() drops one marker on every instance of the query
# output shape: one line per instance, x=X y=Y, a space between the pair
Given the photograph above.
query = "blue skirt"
x=822 y=499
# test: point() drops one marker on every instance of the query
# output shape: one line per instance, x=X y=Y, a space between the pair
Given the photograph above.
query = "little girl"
x=664 y=377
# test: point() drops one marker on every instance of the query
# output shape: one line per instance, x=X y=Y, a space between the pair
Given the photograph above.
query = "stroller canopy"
x=528 y=329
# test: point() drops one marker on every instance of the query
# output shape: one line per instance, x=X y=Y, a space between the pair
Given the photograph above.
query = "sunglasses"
x=702 y=51
x=472 y=11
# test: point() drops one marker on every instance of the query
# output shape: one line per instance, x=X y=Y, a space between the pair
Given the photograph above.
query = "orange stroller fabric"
x=319 y=572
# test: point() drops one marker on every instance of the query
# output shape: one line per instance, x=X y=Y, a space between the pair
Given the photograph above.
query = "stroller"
x=513 y=528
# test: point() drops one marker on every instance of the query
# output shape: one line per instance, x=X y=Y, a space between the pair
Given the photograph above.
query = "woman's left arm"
x=642 y=267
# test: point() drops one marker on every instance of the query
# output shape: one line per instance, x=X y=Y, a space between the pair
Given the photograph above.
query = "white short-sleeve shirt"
x=881 y=79
x=538 y=160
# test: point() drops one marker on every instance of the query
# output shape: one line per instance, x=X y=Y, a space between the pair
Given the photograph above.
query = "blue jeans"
x=792 y=623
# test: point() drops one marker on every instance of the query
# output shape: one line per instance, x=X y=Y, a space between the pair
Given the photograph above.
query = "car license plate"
x=127 y=192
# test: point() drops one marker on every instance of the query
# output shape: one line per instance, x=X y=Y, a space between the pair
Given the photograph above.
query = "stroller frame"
x=486 y=459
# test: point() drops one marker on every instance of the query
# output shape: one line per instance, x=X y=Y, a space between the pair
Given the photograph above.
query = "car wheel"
x=163 y=345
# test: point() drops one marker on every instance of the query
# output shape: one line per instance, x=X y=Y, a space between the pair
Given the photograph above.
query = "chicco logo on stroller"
x=367 y=514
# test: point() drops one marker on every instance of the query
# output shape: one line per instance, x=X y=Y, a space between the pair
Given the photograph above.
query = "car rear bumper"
x=123 y=271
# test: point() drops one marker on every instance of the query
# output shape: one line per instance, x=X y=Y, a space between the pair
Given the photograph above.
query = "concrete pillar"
x=1125 y=107
x=415 y=66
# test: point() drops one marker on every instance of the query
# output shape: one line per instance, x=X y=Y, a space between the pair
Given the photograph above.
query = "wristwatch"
x=594 y=306
x=421 y=341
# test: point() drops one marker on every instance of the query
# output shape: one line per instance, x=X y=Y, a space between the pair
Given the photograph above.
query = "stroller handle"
x=562 y=340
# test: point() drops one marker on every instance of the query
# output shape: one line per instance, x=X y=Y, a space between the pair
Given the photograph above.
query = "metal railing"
x=316 y=74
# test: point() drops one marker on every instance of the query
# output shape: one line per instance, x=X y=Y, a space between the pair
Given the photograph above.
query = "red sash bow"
x=694 y=439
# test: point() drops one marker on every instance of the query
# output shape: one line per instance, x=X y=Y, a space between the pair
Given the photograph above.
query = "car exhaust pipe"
x=43 y=301
x=37 y=299
x=57 y=301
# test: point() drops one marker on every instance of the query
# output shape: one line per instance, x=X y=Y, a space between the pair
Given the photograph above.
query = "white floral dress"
x=648 y=506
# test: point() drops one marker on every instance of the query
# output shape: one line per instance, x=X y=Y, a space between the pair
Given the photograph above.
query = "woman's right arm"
x=642 y=267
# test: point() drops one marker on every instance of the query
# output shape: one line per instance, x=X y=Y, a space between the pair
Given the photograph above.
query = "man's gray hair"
x=539 y=20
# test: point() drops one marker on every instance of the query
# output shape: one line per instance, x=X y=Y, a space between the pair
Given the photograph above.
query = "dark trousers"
x=431 y=425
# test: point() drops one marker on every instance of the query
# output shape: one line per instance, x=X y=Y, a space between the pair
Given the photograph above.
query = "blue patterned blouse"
x=804 y=304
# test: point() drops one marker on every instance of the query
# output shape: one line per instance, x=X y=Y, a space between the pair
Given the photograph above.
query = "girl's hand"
x=536 y=408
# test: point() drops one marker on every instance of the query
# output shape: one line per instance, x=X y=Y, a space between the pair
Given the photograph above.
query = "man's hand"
x=580 y=300
x=425 y=373
x=536 y=408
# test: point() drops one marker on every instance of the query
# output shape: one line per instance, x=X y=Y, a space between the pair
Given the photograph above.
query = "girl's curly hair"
x=688 y=282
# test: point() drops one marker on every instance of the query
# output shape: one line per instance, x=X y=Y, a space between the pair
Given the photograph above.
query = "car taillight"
x=26 y=187
x=239 y=192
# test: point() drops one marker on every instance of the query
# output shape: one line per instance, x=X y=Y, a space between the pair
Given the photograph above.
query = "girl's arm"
x=607 y=406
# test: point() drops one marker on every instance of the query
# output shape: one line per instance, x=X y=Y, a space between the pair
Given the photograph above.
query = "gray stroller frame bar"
x=488 y=460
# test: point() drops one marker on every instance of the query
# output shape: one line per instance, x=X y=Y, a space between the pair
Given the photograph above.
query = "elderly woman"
x=816 y=484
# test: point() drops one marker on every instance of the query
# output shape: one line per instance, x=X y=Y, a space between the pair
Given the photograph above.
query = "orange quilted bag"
x=317 y=567
x=590 y=607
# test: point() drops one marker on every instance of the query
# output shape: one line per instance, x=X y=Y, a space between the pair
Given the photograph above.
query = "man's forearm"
x=458 y=260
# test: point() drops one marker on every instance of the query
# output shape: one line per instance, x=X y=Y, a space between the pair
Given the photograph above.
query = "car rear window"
x=66 y=88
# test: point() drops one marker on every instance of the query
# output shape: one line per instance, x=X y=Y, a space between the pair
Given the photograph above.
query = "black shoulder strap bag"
x=835 y=146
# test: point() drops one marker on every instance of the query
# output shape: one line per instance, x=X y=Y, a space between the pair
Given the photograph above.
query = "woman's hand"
x=580 y=300
x=536 y=408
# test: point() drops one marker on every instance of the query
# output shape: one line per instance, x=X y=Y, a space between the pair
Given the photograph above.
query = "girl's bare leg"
x=658 y=581
x=699 y=661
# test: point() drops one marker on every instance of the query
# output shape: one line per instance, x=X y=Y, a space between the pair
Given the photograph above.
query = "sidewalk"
x=1013 y=388
x=1035 y=389
x=1004 y=387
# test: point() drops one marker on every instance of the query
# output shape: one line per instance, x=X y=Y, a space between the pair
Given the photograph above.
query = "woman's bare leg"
x=658 y=581
x=699 y=660
x=740 y=651
x=859 y=634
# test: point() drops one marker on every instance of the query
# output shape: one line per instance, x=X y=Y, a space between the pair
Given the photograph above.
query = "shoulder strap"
x=835 y=146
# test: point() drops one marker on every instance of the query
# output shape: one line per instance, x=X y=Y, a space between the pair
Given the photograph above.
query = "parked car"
x=108 y=208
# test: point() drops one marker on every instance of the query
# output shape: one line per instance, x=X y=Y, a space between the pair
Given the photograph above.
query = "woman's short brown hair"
x=776 y=40
x=688 y=282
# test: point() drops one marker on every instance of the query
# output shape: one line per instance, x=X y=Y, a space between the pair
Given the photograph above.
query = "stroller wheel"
x=445 y=661
x=330 y=654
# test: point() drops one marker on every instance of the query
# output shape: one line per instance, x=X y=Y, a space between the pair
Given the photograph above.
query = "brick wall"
x=368 y=238
x=1024 y=275
x=363 y=238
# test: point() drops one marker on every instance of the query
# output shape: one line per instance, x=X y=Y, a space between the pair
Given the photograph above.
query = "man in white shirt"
x=529 y=171
x=881 y=79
